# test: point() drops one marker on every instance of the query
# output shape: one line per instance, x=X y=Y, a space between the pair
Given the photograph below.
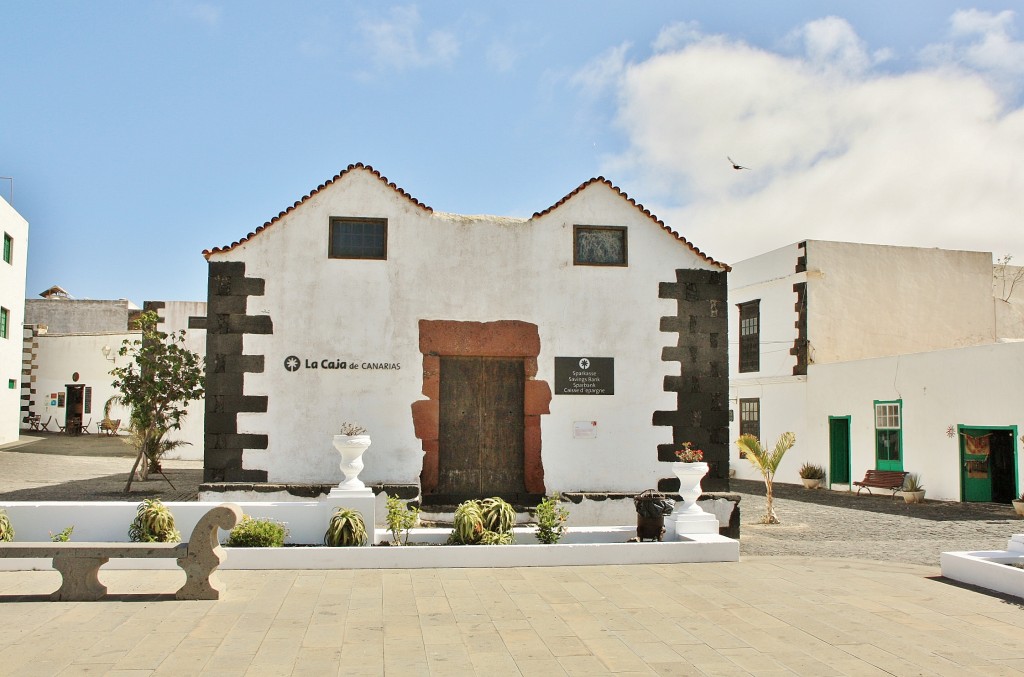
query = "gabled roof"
x=621 y=193
x=350 y=168
x=359 y=165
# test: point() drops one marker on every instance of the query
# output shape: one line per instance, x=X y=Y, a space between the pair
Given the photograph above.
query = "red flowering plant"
x=687 y=454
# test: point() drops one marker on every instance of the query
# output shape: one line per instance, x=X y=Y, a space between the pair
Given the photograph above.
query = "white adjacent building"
x=13 y=266
x=881 y=357
x=70 y=347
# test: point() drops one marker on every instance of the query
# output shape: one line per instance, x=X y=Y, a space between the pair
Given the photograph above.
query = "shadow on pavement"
x=940 y=511
x=111 y=488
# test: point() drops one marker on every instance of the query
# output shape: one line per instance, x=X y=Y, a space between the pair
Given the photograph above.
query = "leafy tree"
x=767 y=462
x=157 y=385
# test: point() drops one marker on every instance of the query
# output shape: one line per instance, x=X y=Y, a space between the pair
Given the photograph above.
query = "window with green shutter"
x=4 y=317
x=8 y=248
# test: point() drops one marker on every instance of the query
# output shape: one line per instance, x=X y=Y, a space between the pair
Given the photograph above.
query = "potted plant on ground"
x=913 y=490
x=351 y=443
x=1018 y=504
x=811 y=475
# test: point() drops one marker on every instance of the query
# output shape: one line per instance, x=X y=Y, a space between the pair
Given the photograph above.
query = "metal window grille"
x=358 y=238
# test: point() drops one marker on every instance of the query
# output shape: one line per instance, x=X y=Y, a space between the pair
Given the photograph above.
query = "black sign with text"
x=584 y=375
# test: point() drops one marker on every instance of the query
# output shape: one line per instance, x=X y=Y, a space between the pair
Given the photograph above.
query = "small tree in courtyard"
x=767 y=462
x=157 y=385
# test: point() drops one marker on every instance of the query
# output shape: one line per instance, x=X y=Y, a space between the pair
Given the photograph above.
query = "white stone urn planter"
x=810 y=483
x=690 y=475
x=1018 y=505
x=351 y=448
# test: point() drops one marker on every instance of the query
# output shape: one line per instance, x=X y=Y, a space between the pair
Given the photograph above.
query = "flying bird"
x=734 y=165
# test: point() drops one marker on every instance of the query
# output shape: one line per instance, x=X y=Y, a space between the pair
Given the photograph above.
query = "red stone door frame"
x=505 y=338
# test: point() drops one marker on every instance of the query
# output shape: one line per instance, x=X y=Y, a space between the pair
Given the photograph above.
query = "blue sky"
x=139 y=134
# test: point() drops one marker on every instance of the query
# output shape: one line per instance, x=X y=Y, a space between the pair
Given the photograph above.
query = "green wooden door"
x=839 y=449
x=975 y=465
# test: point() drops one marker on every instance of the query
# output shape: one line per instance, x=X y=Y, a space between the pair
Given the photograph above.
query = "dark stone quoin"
x=702 y=385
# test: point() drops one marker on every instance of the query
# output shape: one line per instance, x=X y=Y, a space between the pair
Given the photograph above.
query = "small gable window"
x=599 y=246
x=358 y=238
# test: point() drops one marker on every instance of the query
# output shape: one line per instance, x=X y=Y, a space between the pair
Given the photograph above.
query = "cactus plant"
x=6 y=530
x=153 y=523
x=346 y=529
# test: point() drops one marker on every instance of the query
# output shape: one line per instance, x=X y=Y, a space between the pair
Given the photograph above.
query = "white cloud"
x=502 y=57
x=676 y=35
x=983 y=42
x=839 y=151
x=603 y=72
x=396 y=41
x=205 y=13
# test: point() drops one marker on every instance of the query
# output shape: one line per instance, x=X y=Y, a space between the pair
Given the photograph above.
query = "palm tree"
x=767 y=462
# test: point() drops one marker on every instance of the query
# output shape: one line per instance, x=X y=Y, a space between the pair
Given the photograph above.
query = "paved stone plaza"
x=840 y=588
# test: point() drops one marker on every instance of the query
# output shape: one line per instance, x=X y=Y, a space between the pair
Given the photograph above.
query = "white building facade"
x=570 y=351
x=69 y=360
x=13 y=266
x=894 y=358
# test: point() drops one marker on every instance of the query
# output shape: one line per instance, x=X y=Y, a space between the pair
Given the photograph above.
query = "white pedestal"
x=353 y=499
x=691 y=523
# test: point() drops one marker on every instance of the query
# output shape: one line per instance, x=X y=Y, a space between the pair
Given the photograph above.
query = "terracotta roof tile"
x=639 y=206
x=358 y=165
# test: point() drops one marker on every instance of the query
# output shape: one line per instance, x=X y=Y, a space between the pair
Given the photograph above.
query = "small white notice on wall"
x=584 y=430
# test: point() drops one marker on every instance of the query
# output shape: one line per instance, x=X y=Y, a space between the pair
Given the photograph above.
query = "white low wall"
x=988 y=568
x=108 y=522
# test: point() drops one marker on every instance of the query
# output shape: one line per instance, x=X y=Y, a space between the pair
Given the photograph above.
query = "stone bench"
x=79 y=563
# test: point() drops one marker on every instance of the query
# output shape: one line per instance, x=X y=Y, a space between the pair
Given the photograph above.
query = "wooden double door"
x=480 y=440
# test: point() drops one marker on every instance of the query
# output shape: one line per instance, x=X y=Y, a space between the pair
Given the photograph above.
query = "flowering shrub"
x=686 y=454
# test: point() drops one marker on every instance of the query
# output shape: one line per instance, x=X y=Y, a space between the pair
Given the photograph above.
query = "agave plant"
x=469 y=523
x=346 y=529
x=493 y=538
x=499 y=516
x=153 y=523
x=6 y=530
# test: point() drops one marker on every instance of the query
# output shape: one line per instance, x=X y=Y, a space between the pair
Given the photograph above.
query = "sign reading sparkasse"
x=584 y=375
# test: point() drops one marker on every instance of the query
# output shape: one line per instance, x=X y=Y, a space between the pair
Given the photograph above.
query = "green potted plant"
x=913 y=490
x=400 y=519
x=551 y=519
x=811 y=475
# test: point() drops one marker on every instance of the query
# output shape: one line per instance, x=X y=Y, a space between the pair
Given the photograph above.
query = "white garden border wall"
x=307 y=521
x=988 y=568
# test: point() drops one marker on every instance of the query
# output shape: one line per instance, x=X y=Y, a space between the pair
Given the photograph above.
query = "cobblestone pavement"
x=839 y=524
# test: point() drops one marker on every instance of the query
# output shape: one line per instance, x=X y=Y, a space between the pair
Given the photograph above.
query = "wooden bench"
x=79 y=563
x=882 y=479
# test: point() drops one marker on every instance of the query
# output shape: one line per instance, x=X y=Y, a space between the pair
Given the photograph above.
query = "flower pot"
x=913 y=496
x=810 y=483
x=690 y=475
x=650 y=528
x=1019 y=507
x=351 y=448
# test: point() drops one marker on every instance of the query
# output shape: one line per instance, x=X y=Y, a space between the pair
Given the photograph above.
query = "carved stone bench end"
x=205 y=554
